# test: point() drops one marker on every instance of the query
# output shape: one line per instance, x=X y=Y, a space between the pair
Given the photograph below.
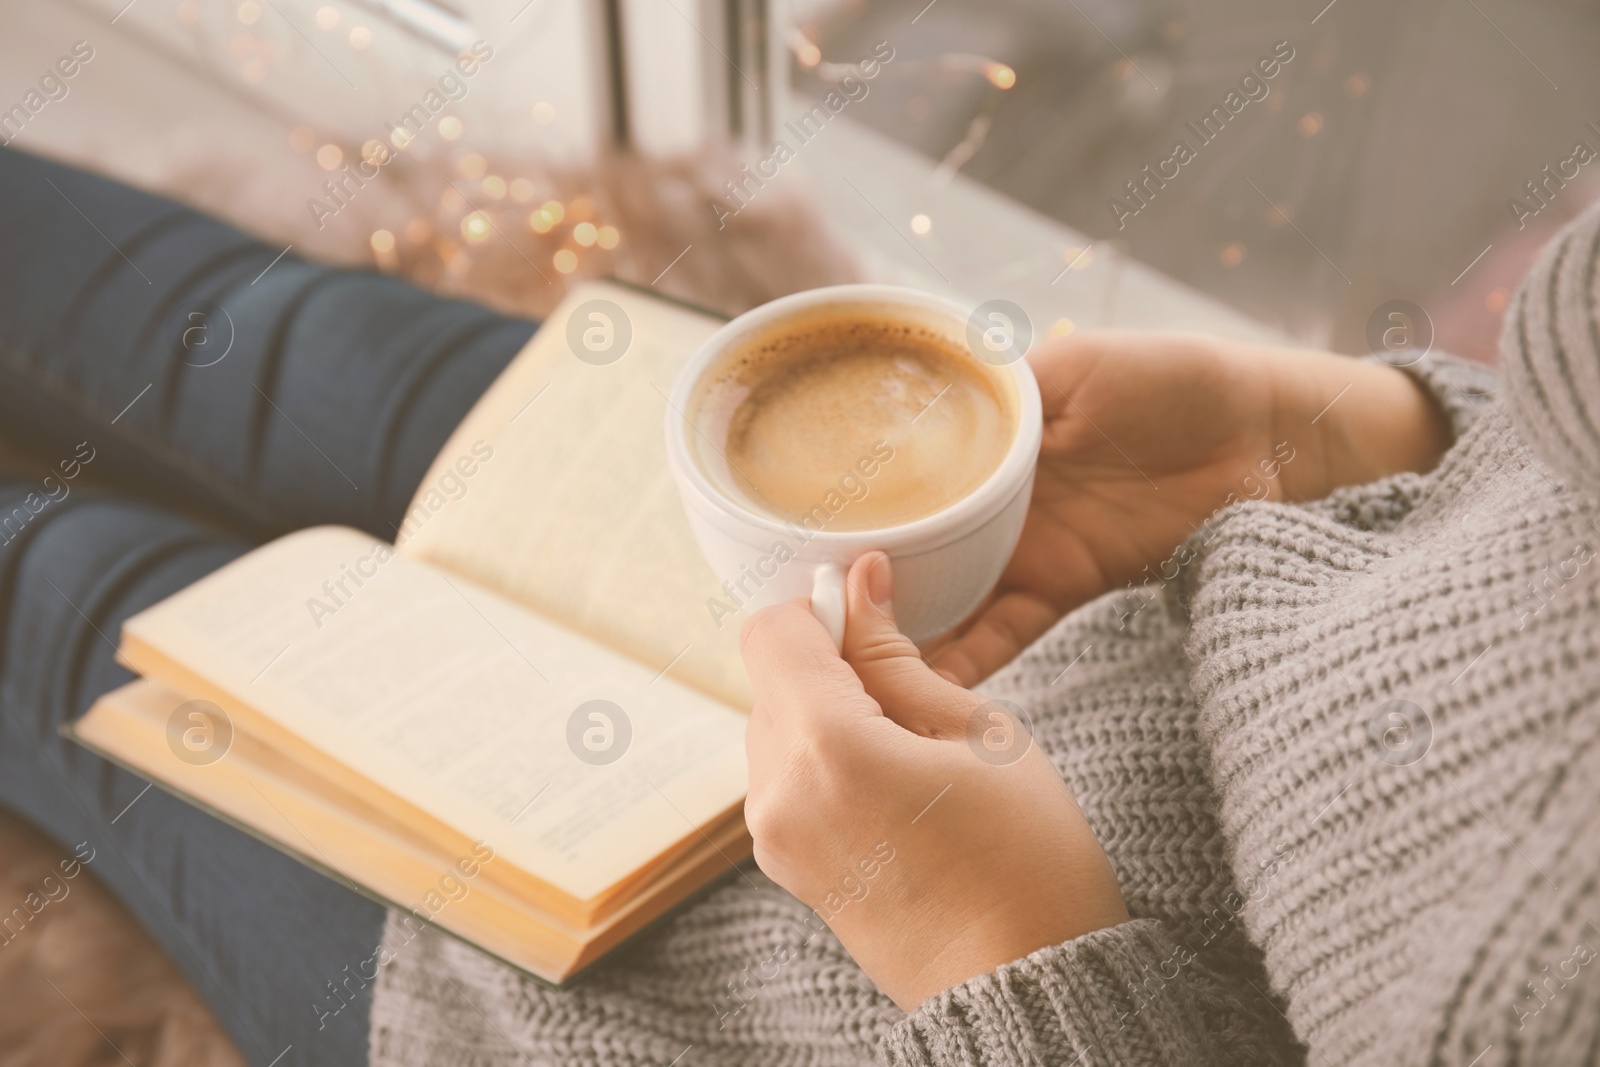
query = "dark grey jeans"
x=223 y=395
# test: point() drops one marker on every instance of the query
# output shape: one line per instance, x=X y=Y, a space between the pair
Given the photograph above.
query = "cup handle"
x=827 y=601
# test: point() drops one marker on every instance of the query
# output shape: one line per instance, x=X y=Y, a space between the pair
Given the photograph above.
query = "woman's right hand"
x=1147 y=434
x=919 y=819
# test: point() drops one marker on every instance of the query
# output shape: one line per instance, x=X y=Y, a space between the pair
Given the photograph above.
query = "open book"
x=519 y=722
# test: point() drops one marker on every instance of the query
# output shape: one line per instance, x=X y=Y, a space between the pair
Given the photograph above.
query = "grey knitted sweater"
x=1344 y=763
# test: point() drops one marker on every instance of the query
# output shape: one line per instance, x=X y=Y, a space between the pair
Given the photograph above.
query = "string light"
x=450 y=247
x=804 y=49
x=996 y=73
x=451 y=244
x=382 y=242
x=1000 y=76
x=475 y=227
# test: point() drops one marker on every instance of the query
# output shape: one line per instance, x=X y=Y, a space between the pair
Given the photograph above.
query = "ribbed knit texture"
x=1344 y=765
x=1553 y=389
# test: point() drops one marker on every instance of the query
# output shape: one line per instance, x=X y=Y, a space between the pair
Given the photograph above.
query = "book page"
x=581 y=765
x=570 y=508
x=272 y=797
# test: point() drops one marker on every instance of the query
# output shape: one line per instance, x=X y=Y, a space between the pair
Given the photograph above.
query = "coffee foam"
x=849 y=419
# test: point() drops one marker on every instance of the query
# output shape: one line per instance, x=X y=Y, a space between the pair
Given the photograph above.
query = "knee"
x=70 y=572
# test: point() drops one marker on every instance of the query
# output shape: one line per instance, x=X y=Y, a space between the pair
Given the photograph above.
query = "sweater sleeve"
x=1550 y=348
x=1462 y=389
x=1127 y=996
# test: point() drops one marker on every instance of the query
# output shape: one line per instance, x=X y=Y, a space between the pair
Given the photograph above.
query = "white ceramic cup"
x=945 y=562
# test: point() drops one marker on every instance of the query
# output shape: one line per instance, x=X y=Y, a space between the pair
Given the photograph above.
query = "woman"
x=1307 y=782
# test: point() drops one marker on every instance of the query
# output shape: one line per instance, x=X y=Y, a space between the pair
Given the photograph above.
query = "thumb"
x=890 y=667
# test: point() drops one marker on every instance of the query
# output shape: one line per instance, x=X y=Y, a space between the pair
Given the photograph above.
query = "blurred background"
x=1380 y=165
x=1404 y=154
x=1391 y=142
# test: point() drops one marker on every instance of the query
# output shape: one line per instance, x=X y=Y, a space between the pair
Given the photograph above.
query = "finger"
x=1061 y=365
x=888 y=664
x=797 y=676
x=1010 y=624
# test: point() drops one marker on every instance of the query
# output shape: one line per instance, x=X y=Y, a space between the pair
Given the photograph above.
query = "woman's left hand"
x=915 y=817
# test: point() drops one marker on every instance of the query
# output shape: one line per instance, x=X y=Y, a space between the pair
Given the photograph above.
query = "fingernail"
x=880 y=583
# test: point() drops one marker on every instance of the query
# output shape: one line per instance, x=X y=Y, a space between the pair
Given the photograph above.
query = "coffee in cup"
x=829 y=423
x=853 y=419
